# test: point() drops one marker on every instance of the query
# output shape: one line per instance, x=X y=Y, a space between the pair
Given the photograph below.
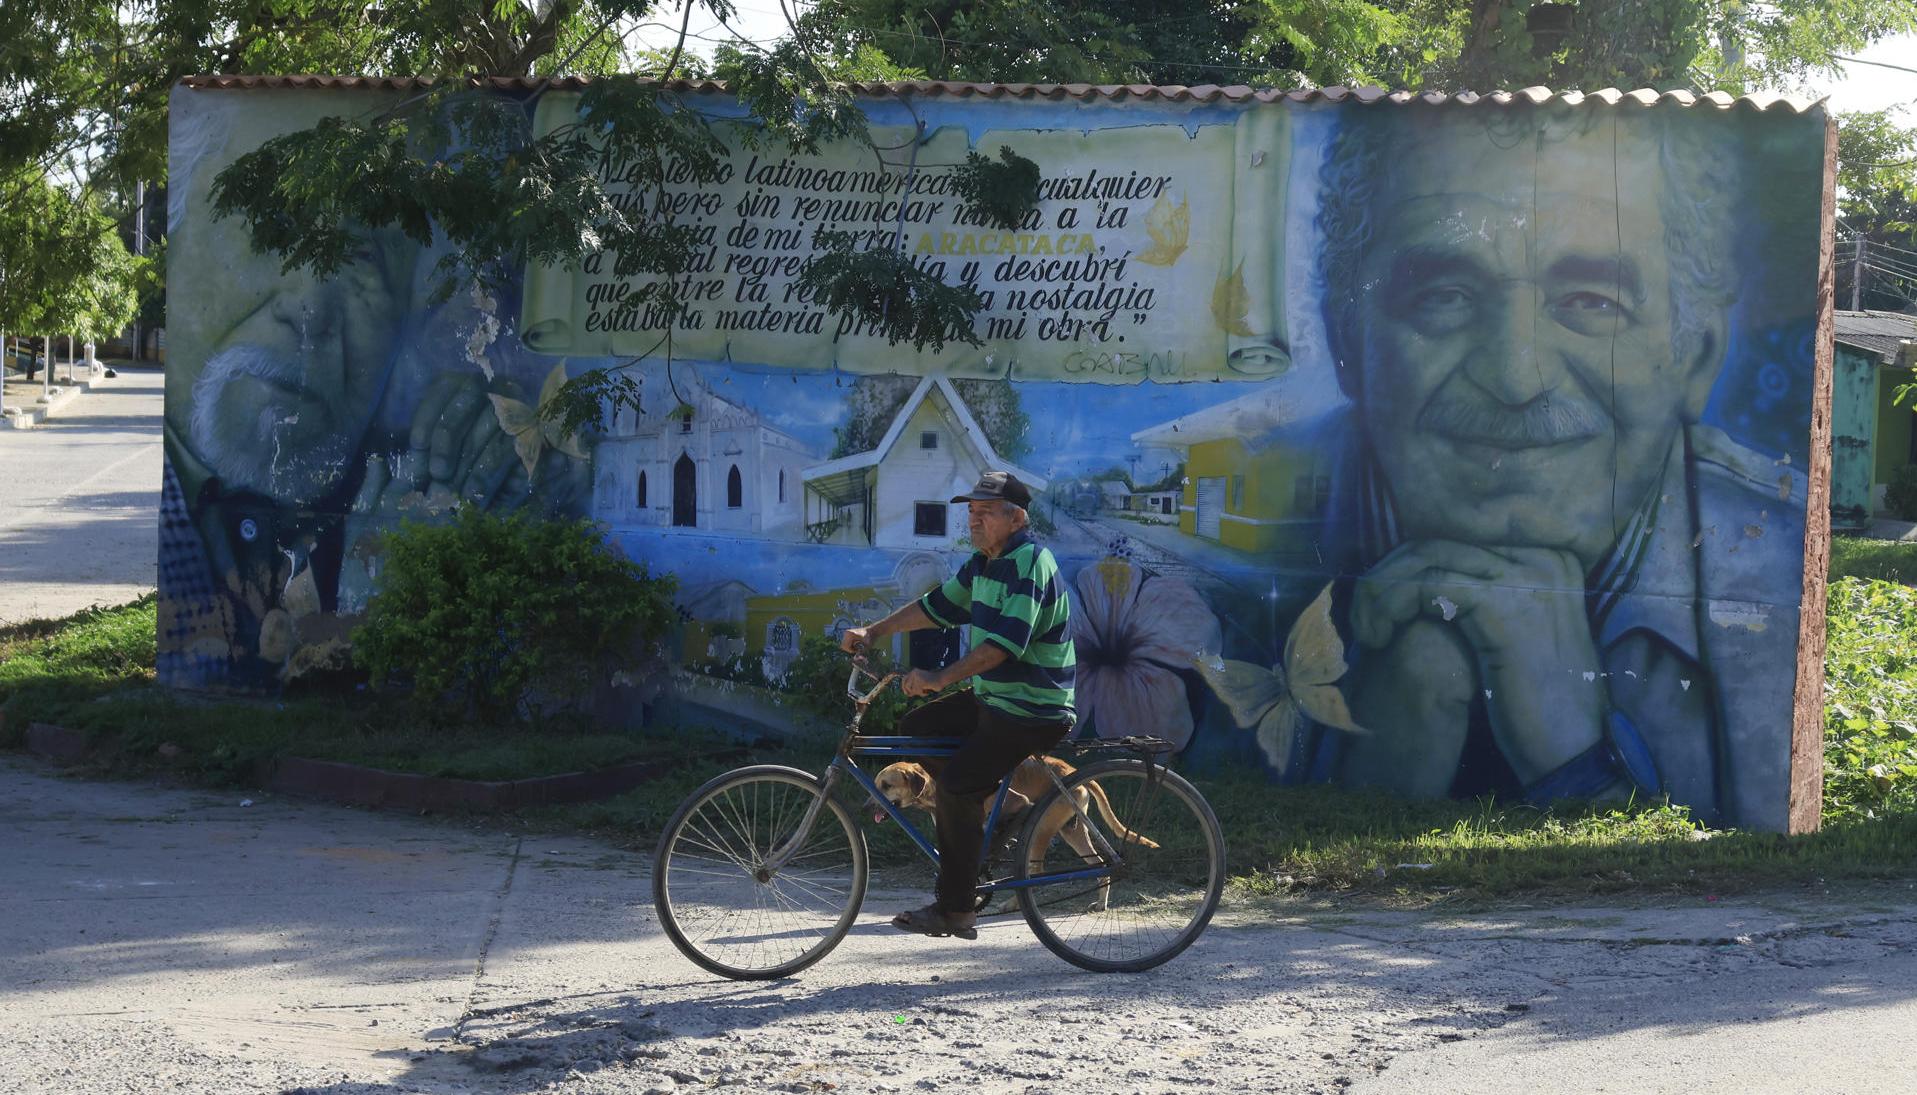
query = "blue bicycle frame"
x=857 y=745
x=945 y=747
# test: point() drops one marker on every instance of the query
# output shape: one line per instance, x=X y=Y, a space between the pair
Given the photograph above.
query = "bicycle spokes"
x=760 y=872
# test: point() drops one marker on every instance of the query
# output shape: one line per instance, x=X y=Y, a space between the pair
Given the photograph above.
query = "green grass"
x=58 y=661
x=1883 y=560
x=149 y=731
x=94 y=672
x=1326 y=840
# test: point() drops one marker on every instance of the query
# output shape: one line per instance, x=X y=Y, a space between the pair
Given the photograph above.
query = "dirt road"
x=185 y=941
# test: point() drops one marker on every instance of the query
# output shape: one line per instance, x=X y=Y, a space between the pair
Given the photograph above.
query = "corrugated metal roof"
x=932 y=89
x=1886 y=335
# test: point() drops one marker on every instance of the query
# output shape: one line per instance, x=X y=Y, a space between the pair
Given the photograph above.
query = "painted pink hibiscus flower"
x=1134 y=633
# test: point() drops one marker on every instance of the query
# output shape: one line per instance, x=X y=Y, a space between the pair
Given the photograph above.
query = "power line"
x=1879 y=64
x=1900 y=271
x=1892 y=273
x=1877 y=244
x=1872 y=255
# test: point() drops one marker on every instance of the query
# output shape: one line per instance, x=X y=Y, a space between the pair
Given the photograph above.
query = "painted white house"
x=1154 y=505
x=898 y=494
x=1112 y=494
x=717 y=467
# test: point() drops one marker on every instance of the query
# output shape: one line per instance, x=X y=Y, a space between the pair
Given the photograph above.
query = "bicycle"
x=761 y=872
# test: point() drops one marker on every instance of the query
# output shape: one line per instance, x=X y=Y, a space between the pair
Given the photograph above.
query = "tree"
x=23 y=255
x=1189 y=42
x=1442 y=45
x=63 y=269
x=1707 y=45
x=96 y=293
x=1877 y=211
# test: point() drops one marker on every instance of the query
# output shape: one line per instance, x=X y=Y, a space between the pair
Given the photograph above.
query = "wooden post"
x=1807 y=731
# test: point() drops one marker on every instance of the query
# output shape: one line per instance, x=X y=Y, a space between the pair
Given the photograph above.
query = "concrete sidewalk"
x=183 y=940
x=29 y=403
x=79 y=502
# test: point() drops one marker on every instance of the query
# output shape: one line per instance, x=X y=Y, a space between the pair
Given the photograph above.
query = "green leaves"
x=792 y=95
x=1870 y=694
x=506 y=615
x=1006 y=192
x=63 y=269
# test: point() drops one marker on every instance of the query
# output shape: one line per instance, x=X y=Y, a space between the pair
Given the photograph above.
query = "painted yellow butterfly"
x=1170 y=230
x=1230 y=302
x=1274 y=702
x=531 y=430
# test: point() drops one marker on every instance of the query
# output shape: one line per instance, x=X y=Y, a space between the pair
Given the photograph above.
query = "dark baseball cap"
x=999 y=486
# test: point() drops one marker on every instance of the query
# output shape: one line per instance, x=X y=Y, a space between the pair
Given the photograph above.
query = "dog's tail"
x=1111 y=818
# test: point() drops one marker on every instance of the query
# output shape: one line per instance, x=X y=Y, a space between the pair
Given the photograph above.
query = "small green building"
x=1871 y=436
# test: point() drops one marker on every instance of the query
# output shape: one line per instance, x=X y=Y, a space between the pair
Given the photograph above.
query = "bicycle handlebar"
x=852 y=682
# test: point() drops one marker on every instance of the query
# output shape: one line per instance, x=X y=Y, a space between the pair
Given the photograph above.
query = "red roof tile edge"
x=1203 y=93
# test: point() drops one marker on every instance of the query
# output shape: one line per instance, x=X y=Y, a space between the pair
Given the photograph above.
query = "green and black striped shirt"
x=1017 y=602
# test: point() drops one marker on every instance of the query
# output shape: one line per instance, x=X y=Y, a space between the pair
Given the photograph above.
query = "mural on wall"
x=1443 y=448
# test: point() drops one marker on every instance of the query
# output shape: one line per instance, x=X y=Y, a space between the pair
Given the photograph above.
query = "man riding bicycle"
x=1021 y=704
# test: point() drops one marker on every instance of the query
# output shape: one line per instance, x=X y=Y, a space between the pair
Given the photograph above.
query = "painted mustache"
x=1478 y=419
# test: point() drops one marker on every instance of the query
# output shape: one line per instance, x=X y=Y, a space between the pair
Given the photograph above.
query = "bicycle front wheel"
x=1157 y=898
x=719 y=902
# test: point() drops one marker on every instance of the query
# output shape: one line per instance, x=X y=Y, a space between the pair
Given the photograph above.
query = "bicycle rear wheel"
x=722 y=908
x=1161 y=894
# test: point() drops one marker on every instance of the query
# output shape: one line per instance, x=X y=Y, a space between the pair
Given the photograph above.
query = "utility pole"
x=1857 y=278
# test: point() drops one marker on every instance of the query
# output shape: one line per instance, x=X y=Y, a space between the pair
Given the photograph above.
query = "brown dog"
x=907 y=784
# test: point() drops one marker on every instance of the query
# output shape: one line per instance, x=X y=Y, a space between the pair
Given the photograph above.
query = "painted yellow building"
x=1244 y=486
x=774 y=623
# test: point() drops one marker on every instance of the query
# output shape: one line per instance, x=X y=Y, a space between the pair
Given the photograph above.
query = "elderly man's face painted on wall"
x=275 y=376
x=1515 y=335
x=289 y=387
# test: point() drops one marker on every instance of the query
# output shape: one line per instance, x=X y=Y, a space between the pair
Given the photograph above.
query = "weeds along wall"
x=1445 y=447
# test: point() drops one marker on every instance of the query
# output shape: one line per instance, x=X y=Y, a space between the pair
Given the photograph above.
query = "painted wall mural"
x=1448 y=449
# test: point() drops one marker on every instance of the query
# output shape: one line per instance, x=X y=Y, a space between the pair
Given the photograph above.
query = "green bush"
x=510 y=617
x=1900 y=495
x=1870 y=700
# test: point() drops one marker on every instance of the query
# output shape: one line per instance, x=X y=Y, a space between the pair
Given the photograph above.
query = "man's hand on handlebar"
x=920 y=682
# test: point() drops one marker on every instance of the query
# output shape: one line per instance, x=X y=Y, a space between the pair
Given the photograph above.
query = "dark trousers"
x=994 y=744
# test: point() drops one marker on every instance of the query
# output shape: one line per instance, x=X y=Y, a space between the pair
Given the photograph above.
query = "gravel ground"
x=179 y=941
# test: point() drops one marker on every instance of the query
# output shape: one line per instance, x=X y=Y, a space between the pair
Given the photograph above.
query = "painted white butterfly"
x=531 y=430
x=1274 y=702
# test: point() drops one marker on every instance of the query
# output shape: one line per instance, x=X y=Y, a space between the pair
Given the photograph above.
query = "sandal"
x=934 y=921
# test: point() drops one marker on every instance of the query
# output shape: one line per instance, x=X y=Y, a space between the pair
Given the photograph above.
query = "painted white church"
x=706 y=463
